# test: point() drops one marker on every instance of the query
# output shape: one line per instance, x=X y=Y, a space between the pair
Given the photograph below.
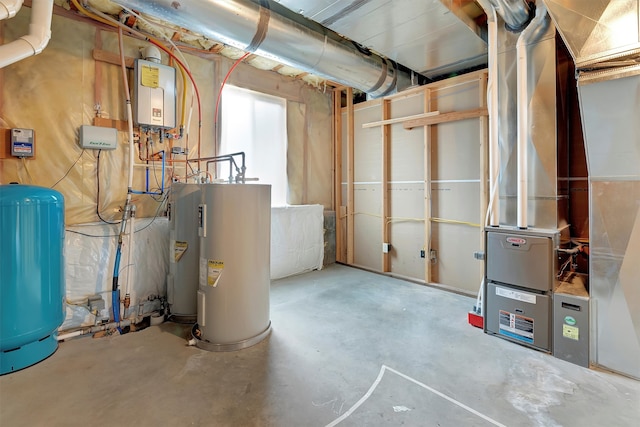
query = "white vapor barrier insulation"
x=297 y=241
x=297 y=246
x=89 y=267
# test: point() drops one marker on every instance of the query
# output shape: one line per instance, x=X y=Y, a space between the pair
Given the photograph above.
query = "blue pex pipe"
x=115 y=292
x=155 y=193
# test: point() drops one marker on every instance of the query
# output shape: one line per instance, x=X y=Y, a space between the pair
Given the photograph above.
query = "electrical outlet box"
x=23 y=143
x=154 y=100
x=96 y=303
x=386 y=247
x=422 y=255
x=98 y=138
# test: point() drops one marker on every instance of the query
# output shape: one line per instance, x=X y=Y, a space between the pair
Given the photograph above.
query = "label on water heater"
x=214 y=271
x=179 y=248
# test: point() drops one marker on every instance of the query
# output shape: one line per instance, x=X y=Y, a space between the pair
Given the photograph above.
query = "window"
x=256 y=124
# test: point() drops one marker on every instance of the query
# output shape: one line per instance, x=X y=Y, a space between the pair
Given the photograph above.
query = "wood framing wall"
x=411 y=171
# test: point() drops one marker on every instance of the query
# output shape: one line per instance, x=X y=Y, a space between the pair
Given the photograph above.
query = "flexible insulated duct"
x=257 y=28
x=515 y=13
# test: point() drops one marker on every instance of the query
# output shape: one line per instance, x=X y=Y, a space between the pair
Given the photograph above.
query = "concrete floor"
x=347 y=346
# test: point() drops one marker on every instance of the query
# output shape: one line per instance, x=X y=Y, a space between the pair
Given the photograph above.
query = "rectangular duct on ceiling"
x=598 y=31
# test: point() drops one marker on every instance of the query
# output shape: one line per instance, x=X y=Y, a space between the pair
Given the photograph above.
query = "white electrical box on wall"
x=154 y=100
x=98 y=138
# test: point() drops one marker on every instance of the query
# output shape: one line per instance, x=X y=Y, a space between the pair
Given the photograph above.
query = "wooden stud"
x=120 y=125
x=427 y=189
x=111 y=58
x=337 y=175
x=97 y=85
x=386 y=176
x=484 y=158
x=350 y=178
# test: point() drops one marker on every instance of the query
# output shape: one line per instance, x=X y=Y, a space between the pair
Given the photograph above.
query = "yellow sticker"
x=570 y=332
x=179 y=249
x=150 y=76
x=214 y=271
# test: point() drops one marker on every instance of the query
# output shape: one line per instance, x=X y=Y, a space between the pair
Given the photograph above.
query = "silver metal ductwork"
x=603 y=36
x=546 y=207
x=257 y=28
x=603 y=32
x=515 y=13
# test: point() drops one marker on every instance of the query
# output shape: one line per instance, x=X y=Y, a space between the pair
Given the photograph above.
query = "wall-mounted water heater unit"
x=154 y=101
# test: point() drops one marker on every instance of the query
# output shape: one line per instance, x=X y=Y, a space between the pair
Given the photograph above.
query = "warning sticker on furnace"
x=516 y=326
x=214 y=271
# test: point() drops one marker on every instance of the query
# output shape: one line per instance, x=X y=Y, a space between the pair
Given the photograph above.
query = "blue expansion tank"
x=31 y=274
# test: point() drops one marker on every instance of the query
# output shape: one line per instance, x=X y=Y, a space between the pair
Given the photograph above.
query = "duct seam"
x=263 y=26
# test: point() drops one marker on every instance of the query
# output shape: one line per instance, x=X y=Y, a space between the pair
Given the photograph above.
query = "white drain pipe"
x=530 y=34
x=38 y=37
x=493 y=213
x=9 y=8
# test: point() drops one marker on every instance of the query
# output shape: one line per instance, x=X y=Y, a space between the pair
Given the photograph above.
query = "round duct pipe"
x=516 y=13
x=257 y=28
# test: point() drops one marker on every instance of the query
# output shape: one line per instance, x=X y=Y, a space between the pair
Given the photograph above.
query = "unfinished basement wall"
x=59 y=90
x=445 y=221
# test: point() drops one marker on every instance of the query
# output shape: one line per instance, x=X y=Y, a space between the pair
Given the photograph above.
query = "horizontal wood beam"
x=120 y=125
x=111 y=58
x=399 y=119
x=446 y=117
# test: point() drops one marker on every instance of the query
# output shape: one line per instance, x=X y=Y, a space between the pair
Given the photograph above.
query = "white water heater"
x=184 y=251
x=235 y=243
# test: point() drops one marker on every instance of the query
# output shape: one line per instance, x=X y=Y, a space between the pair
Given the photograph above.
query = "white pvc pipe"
x=492 y=102
x=63 y=337
x=37 y=39
x=9 y=8
x=125 y=82
x=130 y=269
x=92 y=329
x=525 y=38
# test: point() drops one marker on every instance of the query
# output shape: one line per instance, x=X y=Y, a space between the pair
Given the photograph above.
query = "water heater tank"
x=31 y=274
x=184 y=251
x=235 y=245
